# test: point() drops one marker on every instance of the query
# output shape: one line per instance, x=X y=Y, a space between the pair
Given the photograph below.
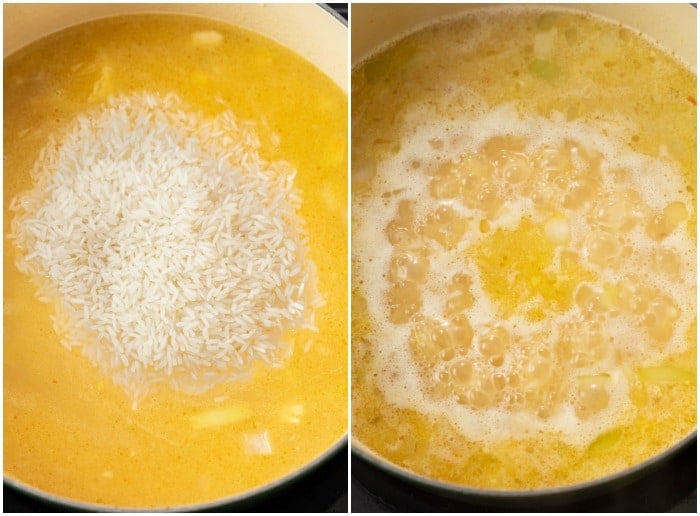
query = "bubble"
x=660 y=318
x=445 y=226
x=490 y=201
x=499 y=381
x=494 y=342
x=462 y=333
x=552 y=164
x=441 y=337
x=478 y=399
x=400 y=230
x=442 y=376
x=592 y=395
x=602 y=249
x=666 y=261
x=447 y=354
x=582 y=343
x=513 y=167
x=462 y=372
x=409 y=266
x=539 y=372
x=460 y=296
x=581 y=191
x=618 y=211
x=445 y=184
x=497 y=360
x=403 y=300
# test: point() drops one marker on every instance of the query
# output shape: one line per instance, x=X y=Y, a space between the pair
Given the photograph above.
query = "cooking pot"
x=668 y=475
x=319 y=35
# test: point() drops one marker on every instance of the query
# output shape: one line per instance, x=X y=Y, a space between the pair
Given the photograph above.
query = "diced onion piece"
x=606 y=441
x=545 y=43
x=544 y=69
x=292 y=413
x=207 y=38
x=218 y=417
x=258 y=444
x=103 y=86
x=557 y=230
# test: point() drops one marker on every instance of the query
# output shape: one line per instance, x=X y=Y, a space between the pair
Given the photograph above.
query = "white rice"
x=172 y=250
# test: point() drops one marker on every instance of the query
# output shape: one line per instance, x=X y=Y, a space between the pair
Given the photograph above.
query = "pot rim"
x=588 y=487
x=334 y=13
x=438 y=17
x=250 y=495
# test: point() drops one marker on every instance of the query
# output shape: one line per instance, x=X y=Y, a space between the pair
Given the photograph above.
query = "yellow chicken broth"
x=68 y=429
x=428 y=201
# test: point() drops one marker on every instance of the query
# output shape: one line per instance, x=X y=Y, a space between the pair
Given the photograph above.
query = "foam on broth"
x=521 y=267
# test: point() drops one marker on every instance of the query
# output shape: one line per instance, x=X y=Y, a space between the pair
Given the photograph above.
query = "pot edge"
x=572 y=492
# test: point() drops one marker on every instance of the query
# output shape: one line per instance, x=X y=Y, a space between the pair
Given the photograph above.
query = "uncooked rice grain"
x=164 y=239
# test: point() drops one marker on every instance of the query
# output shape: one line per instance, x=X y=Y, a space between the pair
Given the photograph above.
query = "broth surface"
x=524 y=250
x=68 y=429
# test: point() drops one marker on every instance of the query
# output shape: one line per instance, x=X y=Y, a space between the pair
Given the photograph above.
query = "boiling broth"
x=524 y=249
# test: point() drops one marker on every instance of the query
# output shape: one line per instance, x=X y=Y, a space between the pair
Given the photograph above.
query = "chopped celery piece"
x=571 y=35
x=544 y=69
x=218 y=417
x=376 y=68
x=546 y=21
x=606 y=441
x=389 y=61
x=666 y=374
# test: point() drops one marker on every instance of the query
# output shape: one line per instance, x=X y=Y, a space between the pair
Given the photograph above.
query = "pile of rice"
x=172 y=251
